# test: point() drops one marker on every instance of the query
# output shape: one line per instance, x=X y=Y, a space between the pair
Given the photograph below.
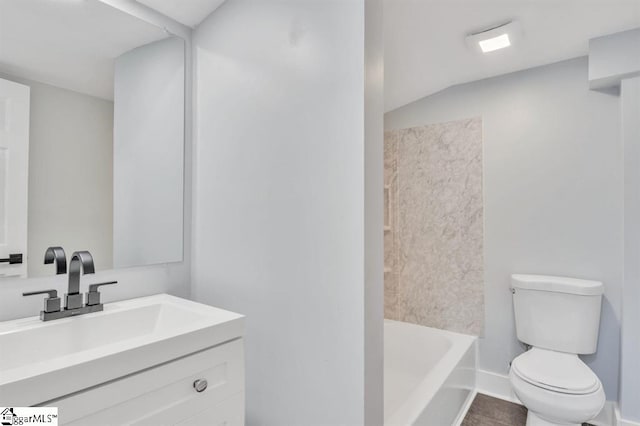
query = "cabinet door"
x=165 y=395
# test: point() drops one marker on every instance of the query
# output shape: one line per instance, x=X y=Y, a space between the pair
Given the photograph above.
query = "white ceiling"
x=68 y=43
x=72 y=43
x=425 y=50
x=187 y=12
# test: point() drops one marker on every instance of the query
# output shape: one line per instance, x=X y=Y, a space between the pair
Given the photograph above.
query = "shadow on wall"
x=608 y=339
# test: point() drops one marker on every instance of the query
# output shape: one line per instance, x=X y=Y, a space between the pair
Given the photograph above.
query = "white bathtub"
x=429 y=374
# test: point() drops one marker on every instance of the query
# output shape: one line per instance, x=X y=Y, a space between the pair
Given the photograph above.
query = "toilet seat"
x=556 y=408
x=556 y=371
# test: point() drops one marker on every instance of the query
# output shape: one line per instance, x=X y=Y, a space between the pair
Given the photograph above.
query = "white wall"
x=553 y=186
x=279 y=228
x=148 y=154
x=630 y=348
x=614 y=57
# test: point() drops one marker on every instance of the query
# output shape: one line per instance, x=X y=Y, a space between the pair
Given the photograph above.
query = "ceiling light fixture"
x=494 y=38
x=495 y=43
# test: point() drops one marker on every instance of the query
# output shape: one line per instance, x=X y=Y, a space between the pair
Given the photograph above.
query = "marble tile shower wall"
x=434 y=226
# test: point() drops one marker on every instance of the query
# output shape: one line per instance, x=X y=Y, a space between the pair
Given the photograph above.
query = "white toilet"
x=559 y=318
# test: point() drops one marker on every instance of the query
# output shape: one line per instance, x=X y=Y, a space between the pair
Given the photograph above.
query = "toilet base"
x=534 y=420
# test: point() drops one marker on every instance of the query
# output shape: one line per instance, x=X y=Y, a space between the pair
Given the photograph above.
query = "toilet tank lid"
x=557 y=284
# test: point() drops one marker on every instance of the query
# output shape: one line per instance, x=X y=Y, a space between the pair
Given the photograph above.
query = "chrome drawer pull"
x=200 y=385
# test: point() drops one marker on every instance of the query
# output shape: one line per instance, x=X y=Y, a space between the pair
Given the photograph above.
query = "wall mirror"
x=91 y=136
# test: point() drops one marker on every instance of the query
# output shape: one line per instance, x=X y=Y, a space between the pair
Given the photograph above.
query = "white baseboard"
x=499 y=386
x=606 y=417
x=620 y=421
x=496 y=385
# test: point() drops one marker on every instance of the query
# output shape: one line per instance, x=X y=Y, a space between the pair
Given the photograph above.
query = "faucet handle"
x=51 y=303
x=93 y=296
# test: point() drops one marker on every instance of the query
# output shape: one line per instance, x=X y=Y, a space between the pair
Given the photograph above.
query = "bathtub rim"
x=423 y=394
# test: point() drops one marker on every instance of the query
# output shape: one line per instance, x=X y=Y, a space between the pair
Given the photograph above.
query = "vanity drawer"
x=229 y=412
x=165 y=395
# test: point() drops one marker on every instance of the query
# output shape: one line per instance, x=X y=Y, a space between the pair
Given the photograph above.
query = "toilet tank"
x=561 y=314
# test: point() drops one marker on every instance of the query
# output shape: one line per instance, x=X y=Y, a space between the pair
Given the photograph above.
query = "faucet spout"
x=58 y=255
x=81 y=261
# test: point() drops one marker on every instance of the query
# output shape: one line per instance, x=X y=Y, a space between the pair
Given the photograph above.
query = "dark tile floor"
x=488 y=411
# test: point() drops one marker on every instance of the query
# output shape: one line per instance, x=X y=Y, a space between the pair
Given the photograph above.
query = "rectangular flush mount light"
x=495 y=43
x=495 y=38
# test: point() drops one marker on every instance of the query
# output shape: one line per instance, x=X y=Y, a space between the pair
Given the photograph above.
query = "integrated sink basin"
x=43 y=361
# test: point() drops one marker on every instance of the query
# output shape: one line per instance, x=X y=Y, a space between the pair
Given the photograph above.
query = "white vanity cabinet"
x=165 y=395
x=135 y=363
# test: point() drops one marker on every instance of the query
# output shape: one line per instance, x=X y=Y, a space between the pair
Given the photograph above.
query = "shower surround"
x=434 y=226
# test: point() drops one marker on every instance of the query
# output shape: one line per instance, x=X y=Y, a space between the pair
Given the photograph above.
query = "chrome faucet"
x=58 y=255
x=81 y=263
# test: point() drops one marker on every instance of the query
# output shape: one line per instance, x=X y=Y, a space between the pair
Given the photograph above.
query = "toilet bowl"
x=559 y=319
x=557 y=388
